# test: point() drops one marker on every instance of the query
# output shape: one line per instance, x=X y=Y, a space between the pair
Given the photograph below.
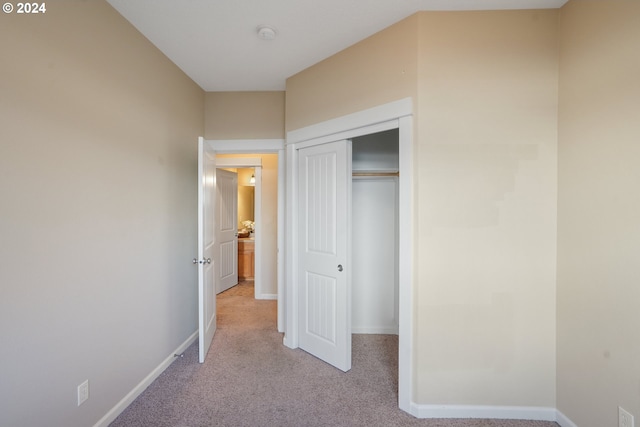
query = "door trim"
x=397 y=114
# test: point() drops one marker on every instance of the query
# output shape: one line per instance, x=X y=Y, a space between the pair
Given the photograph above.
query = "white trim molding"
x=138 y=389
x=491 y=412
x=564 y=421
x=352 y=123
x=251 y=146
x=238 y=162
x=281 y=237
x=406 y=223
x=481 y=411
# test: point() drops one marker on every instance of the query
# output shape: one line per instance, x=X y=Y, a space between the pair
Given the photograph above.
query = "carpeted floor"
x=251 y=379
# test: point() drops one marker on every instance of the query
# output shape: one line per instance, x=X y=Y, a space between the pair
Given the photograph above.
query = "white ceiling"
x=215 y=41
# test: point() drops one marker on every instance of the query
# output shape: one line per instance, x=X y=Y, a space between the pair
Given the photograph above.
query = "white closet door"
x=324 y=272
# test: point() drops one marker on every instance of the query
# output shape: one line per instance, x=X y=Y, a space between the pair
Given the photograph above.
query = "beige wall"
x=379 y=69
x=98 y=164
x=599 y=212
x=244 y=115
x=486 y=203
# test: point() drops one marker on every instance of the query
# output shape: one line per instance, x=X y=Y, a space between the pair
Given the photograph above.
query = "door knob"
x=340 y=267
x=195 y=261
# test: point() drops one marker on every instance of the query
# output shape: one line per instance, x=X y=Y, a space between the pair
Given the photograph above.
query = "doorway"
x=266 y=156
x=249 y=231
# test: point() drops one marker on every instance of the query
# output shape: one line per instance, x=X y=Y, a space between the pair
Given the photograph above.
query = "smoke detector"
x=266 y=33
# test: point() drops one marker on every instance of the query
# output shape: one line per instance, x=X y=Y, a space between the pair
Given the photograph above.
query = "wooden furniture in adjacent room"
x=246 y=250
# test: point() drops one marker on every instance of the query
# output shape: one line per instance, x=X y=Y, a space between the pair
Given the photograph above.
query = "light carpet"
x=251 y=379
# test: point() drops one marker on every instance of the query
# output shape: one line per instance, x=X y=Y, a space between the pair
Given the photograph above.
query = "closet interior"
x=375 y=166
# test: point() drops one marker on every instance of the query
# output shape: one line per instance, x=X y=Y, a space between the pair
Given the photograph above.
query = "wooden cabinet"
x=246 y=251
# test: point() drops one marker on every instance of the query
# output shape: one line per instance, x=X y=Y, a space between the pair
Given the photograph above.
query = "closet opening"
x=375 y=248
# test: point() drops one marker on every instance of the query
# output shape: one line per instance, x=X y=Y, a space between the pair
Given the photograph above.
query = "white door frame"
x=263 y=146
x=398 y=114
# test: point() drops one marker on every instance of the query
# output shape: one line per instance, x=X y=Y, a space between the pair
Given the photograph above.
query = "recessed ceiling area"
x=216 y=42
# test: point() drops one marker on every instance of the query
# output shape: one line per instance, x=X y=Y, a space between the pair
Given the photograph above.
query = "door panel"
x=324 y=277
x=227 y=184
x=206 y=248
x=321 y=321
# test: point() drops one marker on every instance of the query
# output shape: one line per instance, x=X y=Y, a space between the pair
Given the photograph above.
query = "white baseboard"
x=267 y=296
x=496 y=412
x=564 y=421
x=137 y=390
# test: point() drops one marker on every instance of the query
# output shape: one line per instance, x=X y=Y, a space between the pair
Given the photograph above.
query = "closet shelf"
x=371 y=173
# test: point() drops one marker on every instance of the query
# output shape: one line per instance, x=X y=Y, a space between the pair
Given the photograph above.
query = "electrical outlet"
x=83 y=392
x=625 y=419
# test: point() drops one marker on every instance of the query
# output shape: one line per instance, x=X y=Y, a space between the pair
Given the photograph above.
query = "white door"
x=324 y=293
x=227 y=184
x=206 y=247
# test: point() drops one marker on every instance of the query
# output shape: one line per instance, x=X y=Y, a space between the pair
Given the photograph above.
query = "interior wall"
x=598 y=212
x=269 y=226
x=98 y=165
x=244 y=115
x=486 y=239
x=375 y=71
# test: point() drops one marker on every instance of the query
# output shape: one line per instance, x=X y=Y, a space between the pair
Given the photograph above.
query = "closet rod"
x=376 y=174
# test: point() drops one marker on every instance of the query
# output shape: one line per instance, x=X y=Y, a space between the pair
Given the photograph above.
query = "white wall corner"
x=495 y=412
x=138 y=389
x=564 y=421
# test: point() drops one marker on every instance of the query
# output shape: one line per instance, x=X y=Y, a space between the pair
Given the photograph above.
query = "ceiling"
x=215 y=42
